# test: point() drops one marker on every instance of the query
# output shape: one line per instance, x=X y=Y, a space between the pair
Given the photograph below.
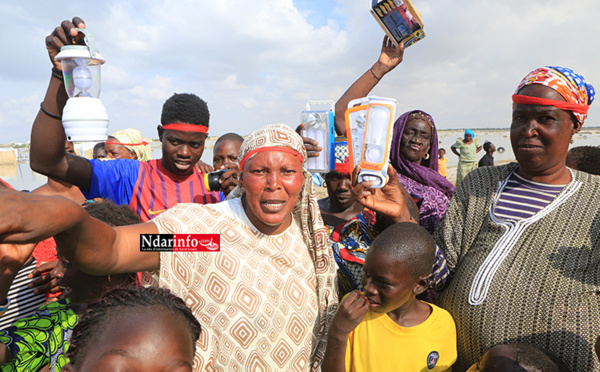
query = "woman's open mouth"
x=272 y=206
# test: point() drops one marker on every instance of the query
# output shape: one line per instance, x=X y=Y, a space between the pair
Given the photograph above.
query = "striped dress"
x=523 y=198
x=23 y=302
x=532 y=280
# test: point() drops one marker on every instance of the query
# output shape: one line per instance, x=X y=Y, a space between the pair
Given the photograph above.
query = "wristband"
x=57 y=74
x=375 y=76
x=4 y=308
x=53 y=116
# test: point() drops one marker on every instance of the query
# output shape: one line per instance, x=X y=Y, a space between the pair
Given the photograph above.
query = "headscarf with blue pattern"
x=573 y=87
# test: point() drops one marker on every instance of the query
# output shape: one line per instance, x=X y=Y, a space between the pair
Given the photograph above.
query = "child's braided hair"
x=116 y=300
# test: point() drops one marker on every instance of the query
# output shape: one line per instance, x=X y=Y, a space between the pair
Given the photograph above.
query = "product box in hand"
x=399 y=19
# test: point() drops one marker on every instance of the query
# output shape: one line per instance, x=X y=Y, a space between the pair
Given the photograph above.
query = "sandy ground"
x=452 y=171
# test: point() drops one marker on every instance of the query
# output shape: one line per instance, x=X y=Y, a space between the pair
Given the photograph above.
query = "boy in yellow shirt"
x=387 y=328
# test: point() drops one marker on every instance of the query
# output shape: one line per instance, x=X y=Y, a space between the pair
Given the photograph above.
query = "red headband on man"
x=527 y=100
x=272 y=148
x=143 y=143
x=186 y=127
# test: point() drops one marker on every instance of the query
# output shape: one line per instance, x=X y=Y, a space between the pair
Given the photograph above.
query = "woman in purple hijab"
x=414 y=144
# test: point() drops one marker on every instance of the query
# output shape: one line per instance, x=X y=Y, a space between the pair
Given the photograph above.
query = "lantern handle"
x=329 y=103
x=89 y=41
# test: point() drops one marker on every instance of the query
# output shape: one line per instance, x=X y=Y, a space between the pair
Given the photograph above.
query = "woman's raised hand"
x=390 y=57
x=65 y=34
x=313 y=150
x=390 y=200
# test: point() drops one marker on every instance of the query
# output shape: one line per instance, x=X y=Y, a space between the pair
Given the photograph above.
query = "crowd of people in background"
x=495 y=272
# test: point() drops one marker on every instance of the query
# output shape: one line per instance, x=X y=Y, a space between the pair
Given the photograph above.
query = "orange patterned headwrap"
x=570 y=85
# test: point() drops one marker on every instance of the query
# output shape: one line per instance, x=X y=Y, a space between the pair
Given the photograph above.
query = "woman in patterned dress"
x=466 y=149
x=523 y=238
x=265 y=299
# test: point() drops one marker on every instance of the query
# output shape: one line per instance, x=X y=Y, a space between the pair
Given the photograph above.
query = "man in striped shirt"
x=152 y=187
x=149 y=188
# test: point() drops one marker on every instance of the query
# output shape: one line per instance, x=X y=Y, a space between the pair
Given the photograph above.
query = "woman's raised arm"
x=390 y=57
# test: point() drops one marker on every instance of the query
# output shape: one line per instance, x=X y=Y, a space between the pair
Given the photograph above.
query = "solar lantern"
x=84 y=116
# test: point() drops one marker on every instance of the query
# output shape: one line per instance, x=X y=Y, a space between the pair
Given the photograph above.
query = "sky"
x=258 y=62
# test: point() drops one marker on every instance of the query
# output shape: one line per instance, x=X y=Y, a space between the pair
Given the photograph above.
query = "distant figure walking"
x=467 y=157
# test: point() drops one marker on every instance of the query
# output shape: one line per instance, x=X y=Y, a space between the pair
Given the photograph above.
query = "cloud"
x=475 y=53
x=259 y=62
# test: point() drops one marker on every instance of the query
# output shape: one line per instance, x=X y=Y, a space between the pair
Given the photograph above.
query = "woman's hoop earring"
x=426 y=156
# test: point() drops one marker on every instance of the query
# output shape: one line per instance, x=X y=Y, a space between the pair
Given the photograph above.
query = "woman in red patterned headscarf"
x=265 y=299
x=522 y=238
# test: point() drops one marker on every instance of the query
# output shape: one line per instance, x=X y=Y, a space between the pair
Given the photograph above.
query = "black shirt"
x=486 y=161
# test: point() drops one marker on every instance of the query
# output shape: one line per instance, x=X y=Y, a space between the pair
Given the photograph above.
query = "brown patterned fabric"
x=265 y=300
x=535 y=282
x=314 y=232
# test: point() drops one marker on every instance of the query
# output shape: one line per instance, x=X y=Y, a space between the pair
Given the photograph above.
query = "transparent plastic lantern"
x=84 y=116
x=356 y=121
x=319 y=126
x=375 y=138
x=369 y=122
x=81 y=75
x=377 y=141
